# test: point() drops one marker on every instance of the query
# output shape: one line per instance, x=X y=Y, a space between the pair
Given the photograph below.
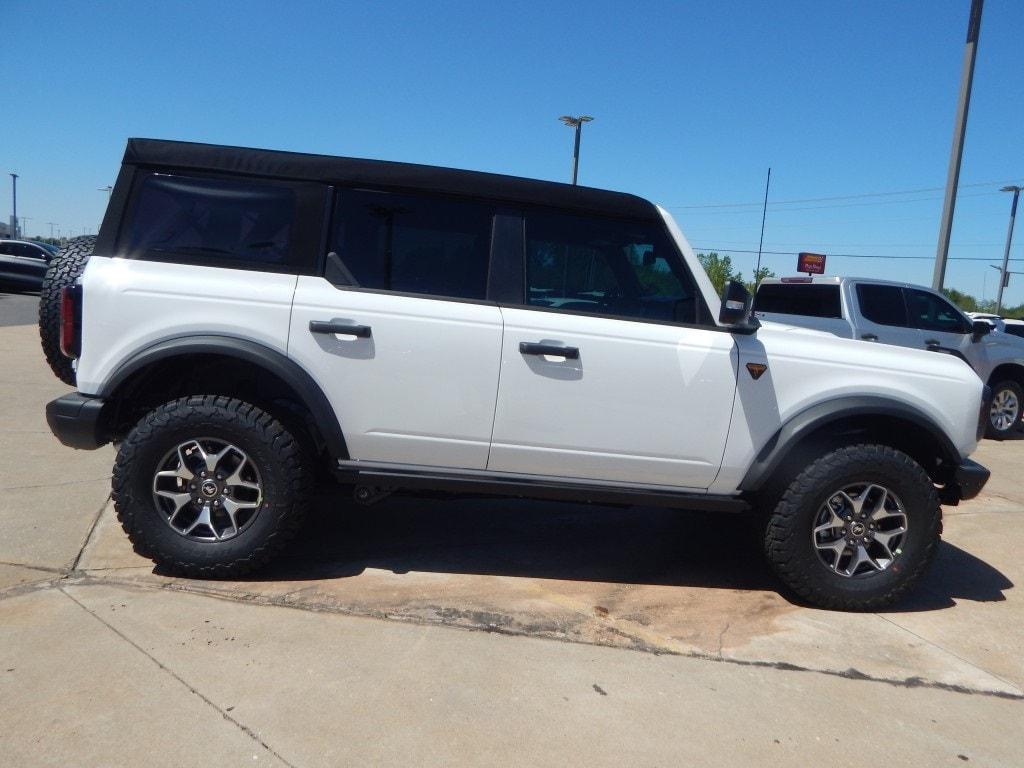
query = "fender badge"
x=756 y=369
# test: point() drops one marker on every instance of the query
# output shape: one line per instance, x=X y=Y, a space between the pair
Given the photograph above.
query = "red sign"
x=811 y=263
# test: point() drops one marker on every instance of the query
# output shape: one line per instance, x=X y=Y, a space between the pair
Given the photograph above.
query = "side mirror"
x=980 y=328
x=737 y=306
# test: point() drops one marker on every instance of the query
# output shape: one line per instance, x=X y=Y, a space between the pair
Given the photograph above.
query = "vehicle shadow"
x=573 y=542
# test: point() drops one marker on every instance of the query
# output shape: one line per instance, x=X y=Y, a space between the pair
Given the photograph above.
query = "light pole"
x=14 y=204
x=52 y=225
x=108 y=189
x=957 y=151
x=24 y=229
x=1009 y=239
x=577 y=123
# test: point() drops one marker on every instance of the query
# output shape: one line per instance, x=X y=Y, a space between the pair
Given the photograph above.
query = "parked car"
x=246 y=318
x=1004 y=324
x=908 y=316
x=23 y=263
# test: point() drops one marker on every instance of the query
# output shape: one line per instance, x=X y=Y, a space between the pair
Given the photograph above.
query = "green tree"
x=719 y=269
x=759 y=274
x=965 y=301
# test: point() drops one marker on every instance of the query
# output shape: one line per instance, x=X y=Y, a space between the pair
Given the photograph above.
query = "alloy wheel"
x=859 y=529
x=207 y=489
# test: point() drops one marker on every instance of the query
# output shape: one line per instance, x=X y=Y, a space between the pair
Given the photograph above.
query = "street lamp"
x=1009 y=238
x=577 y=123
x=108 y=189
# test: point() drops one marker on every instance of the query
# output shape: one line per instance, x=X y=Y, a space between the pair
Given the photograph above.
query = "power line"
x=826 y=207
x=704 y=249
x=841 y=197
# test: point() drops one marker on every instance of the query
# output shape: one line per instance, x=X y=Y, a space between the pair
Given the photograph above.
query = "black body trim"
x=154 y=153
x=77 y=421
x=968 y=480
x=804 y=423
x=296 y=377
x=482 y=482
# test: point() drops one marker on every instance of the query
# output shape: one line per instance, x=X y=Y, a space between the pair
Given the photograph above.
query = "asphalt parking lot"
x=480 y=632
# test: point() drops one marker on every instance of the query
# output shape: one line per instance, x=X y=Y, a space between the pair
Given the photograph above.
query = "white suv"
x=246 y=317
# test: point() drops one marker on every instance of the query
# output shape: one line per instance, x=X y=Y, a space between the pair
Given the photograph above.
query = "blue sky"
x=693 y=102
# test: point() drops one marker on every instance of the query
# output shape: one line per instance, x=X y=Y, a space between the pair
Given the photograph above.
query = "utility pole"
x=14 y=204
x=1009 y=239
x=959 y=130
x=24 y=229
x=577 y=123
x=52 y=225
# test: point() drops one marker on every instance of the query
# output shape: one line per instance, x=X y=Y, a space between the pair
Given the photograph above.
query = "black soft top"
x=348 y=171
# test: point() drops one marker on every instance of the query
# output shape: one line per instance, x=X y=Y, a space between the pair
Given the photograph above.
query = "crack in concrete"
x=88 y=536
x=637 y=643
x=192 y=689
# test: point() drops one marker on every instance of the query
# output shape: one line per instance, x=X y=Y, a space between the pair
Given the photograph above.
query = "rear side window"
x=1015 y=330
x=413 y=243
x=607 y=267
x=882 y=304
x=806 y=299
x=219 y=222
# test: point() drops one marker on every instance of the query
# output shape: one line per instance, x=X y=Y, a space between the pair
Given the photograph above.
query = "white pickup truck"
x=907 y=316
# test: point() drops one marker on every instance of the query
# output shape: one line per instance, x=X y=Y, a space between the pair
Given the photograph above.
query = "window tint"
x=7 y=249
x=413 y=243
x=1015 y=330
x=619 y=268
x=933 y=313
x=213 y=220
x=882 y=304
x=813 y=300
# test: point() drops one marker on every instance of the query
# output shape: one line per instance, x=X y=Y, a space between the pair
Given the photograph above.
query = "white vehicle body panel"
x=420 y=390
x=128 y=305
x=644 y=403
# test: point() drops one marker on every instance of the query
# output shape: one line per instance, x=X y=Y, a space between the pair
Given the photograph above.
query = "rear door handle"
x=869 y=337
x=534 y=348
x=339 y=327
x=933 y=342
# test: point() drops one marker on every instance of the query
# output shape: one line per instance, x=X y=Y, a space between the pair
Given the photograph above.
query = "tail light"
x=71 y=321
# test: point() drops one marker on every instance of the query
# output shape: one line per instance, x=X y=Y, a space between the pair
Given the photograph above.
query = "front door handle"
x=534 y=348
x=340 y=327
x=869 y=337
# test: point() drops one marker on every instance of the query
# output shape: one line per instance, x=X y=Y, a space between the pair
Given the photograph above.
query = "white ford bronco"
x=249 y=320
x=906 y=315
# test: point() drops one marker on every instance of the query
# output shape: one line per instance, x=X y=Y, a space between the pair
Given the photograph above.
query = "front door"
x=600 y=379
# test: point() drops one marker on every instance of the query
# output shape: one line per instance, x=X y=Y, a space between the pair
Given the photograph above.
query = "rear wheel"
x=65 y=268
x=210 y=486
x=1005 y=412
x=856 y=529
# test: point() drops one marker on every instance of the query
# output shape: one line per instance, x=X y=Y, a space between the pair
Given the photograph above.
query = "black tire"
x=788 y=537
x=1012 y=390
x=283 y=467
x=64 y=269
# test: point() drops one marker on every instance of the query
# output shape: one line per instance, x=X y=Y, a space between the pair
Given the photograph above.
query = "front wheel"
x=856 y=529
x=210 y=486
x=1005 y=412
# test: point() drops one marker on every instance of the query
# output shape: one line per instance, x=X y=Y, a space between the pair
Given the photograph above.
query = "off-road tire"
x=64 y=269
x=990 y=429
x=283 y=464
x=788 y=536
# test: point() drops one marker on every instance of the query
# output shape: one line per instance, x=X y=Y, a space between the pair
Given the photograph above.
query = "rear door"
x=398 y=331
x=881 y=315
x=606 y=372
x=944 y=326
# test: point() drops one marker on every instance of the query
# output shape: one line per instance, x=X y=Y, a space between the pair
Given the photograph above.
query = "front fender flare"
x=803 y=424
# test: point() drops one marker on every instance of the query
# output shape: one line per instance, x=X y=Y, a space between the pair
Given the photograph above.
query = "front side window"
x=933 y=313
x=215 y=221
x=882 y=304
x=413 y=243
x=607 y=267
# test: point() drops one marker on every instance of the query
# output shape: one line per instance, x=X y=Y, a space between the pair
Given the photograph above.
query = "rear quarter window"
x=240 y=223
x=799 y=299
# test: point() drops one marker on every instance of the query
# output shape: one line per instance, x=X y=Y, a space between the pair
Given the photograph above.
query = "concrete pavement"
x=469 y=633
